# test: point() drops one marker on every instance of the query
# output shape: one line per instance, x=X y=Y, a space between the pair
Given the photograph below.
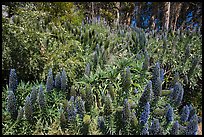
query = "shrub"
x=50 y=81
x=11 y=105
x=33 y=95
x=41 y=98
x=185 y=113
x=28 y=109
x=145 y=114
x=58 y=80
x=64 y=80
x=169 y=114
x=175 y=129
x=145 y=130
x=13 y=82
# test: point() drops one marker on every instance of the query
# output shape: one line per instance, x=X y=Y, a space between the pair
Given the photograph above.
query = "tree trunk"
x=177 y=13
x=154 y=13
x=117 y=4
x=130 y=14
x=92 y=11
x=172 y=16
x=166 y=15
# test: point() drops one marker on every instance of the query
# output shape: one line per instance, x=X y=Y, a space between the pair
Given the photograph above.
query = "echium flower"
x=50 y=82
x=41 y=98
x=169 y=114
x=185 y=113
x=33 y=95
x=180 y=97
x=126 y=111
x=175 y=128
x=71 y=111
x=176 y=91
x=192 y=126
x=13 y=80
x=87 y=69
x=108 y=105
x=11 y=105
x=146 y=95
x=28 y=109
x=145 y=114
x=145 y=130
x=156 y=81
x=64 y=80
x=155 y=127
x=58 y=80
x=192 y=112
x=80 y=107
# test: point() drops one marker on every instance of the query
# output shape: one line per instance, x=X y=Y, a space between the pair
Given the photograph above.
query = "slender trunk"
x=130 y=14
x=166 y=15
x=154 y=13
x=172 y=15
x=117 y=4
x=92 y=11
x=177 y=13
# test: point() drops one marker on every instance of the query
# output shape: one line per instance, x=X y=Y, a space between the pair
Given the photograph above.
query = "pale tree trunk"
x=172 y=16
x=166 y=15
x=129 y=14
x=177 y=13
x=117 y=5
x=92 y=11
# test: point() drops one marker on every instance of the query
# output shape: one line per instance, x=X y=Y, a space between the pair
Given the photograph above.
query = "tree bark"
x=166 y=15
x=117 y=5
x=92 y=11
x=153 y=16
x=177 y=13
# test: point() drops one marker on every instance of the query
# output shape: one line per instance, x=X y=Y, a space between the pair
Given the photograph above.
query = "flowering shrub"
x=13 y=82
x=169 y=114
x=119 y=91
x=28 y=109
x=11 y=105
x=50 y=82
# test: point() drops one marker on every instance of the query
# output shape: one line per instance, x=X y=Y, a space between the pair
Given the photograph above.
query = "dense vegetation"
x=93 y=78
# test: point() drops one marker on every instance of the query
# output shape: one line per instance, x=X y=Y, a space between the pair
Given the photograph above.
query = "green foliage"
x=97 y=69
